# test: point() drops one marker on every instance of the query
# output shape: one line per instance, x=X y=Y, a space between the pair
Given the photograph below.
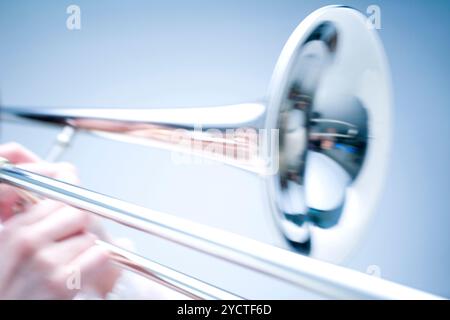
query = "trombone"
x=325 y=134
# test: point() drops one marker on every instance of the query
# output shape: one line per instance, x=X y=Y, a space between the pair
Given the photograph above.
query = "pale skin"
x=42 y=243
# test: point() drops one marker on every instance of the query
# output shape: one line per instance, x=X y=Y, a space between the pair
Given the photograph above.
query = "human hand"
x=47 y=240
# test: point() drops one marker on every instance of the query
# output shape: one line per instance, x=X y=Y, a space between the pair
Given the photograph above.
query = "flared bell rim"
x=371 y=85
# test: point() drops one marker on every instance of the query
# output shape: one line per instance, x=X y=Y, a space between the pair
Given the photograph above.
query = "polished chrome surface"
x=320 y=277
x=222 y=133
x=61 y=144
x=330 y=97
x=188 y=286
x=319 y=141
x=184 y=284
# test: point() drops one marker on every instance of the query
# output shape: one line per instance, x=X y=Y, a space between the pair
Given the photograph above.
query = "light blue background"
x=185 y=53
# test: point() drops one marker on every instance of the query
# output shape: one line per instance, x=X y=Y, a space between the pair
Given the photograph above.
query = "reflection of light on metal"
x=184 y=284
x=62 y=142
x=188 y=286
x=320 y=277
x=331 y=134
x=324 y=103
x=316 y=103
x=348 y=124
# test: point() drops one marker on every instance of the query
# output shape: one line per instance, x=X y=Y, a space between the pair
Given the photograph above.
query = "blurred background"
x=196 y=53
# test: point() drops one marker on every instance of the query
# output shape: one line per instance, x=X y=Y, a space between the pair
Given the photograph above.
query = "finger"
x=34 y=213
x=67 y=173
x=9 y=198
x=19 y=241
x=14 y=200
x=16 y=153
x=61 y=224
x=65 y=251
x=92 y=260
x=91 y=264
x=96 y=228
